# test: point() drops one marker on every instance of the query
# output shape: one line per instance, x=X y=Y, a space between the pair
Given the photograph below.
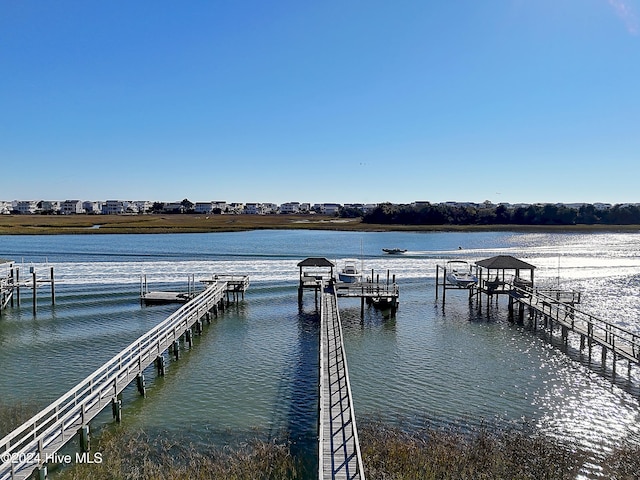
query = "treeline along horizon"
x=547 y=214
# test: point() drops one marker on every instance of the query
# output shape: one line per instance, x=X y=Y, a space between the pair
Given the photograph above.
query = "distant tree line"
x=541 y=214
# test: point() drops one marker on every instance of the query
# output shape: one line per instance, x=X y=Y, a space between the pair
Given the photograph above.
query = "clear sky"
x=320 y=101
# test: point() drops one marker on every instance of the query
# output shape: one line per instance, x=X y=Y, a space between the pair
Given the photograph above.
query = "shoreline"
x=194 y=223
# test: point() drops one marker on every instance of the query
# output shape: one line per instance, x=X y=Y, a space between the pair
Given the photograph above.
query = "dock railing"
x=29 y=445
x=339 y=455
x=559 y=307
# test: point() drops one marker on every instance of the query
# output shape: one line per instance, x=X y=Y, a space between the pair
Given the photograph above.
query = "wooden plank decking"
x=338 y=446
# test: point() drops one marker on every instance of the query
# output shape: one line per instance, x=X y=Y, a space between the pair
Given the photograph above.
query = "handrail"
x=329 y=302
x=602 y=331
x=103 y=383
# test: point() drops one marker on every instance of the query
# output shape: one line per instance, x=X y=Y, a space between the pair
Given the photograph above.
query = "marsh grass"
x=389 y=452
x=137 y=455
x=194 y=223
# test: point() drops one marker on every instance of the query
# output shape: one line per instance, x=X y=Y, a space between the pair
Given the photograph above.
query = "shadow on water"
x=299 y=390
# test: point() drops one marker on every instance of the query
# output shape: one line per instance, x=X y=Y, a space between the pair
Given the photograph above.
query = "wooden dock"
x=11 y=285
x=339 y=454
x=547 y=309
x=34 y=443
x=236 y=285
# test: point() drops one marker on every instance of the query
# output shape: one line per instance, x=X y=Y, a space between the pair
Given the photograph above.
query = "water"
x=254 y=371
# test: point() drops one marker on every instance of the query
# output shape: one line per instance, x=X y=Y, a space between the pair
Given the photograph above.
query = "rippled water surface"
x=255 y=368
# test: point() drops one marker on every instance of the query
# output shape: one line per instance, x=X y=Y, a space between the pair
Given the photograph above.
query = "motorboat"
x=349 y=273
x=459 y=274
x=393 y=251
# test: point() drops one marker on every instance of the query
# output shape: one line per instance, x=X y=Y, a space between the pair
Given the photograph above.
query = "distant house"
x=173 y=207
x=26 y=207
x=92 y=207
x=50 y=206
x=235 y=207
x=204 y=208
x=143 y=206
x=71 y=207
x=290 y=207
x=5 y=208
x=269 y=208
x=253 y=209
x=330 y=208
x=114 y=207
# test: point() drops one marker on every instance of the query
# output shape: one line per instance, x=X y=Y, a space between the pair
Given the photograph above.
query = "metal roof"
x=505 y=262
x=316 y=262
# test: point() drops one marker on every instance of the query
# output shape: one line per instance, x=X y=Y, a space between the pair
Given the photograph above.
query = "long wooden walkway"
x=30 y=446
x=560 y=310
x=339 y=454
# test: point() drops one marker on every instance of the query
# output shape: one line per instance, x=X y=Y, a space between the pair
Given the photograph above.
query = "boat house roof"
x=316 y=262
x=504 y=262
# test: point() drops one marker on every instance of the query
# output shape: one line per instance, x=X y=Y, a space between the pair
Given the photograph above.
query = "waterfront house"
x=92 y=207
x=50 y=206
x=71 y=207
x=114 y=207
x=290 y=207
x=27 y=207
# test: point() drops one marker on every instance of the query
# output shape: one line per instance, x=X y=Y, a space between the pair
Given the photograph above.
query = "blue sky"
x=332 y=101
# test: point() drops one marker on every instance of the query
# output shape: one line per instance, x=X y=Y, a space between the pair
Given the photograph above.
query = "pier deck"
x=39 y=438
x=339 y=454
x=560 y=309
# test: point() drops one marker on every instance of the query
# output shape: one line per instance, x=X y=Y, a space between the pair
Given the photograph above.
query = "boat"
x=393 y=251
x=349 y=273
x=459 y=274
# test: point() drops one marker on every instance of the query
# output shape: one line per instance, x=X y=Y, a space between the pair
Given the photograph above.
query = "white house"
x=71 y=207
x=142 y=206
x=253 y=209
x=204 y=208
x=26 y=207
x=290 y=207
x=330 y=208
x=114 y=207
x=50 y=206
x=92 y=207
x=5 y=208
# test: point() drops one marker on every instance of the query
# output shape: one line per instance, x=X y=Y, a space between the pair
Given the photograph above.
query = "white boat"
x=459 y=274
x=349 y=273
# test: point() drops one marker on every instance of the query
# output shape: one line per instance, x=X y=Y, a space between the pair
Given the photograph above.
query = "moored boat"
x=349 y=273
x=459 y=274
x=393 y=251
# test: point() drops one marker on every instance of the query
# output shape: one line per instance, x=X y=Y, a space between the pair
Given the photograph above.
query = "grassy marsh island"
x=194 y=223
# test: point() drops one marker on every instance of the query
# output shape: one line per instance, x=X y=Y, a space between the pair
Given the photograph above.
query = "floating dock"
x=236 y=285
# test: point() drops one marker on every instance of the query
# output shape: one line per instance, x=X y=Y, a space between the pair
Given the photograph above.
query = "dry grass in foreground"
x=388 y=453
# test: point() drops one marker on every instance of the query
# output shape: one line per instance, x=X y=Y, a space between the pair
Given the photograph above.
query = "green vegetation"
x=540 y=215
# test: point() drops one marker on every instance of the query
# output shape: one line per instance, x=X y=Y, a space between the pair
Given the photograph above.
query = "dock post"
x=116 y=409
x=85 y=439
x=437 y=275
x=160 y=365
x=444 y=286
x=42 y=472
x=35 y=290
x=53 y=289
x=12 y=284
x=141 y=384
x=188 y=337
x=17 y=287
x=176 y=349
x=565 y=335
x=604 y=355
